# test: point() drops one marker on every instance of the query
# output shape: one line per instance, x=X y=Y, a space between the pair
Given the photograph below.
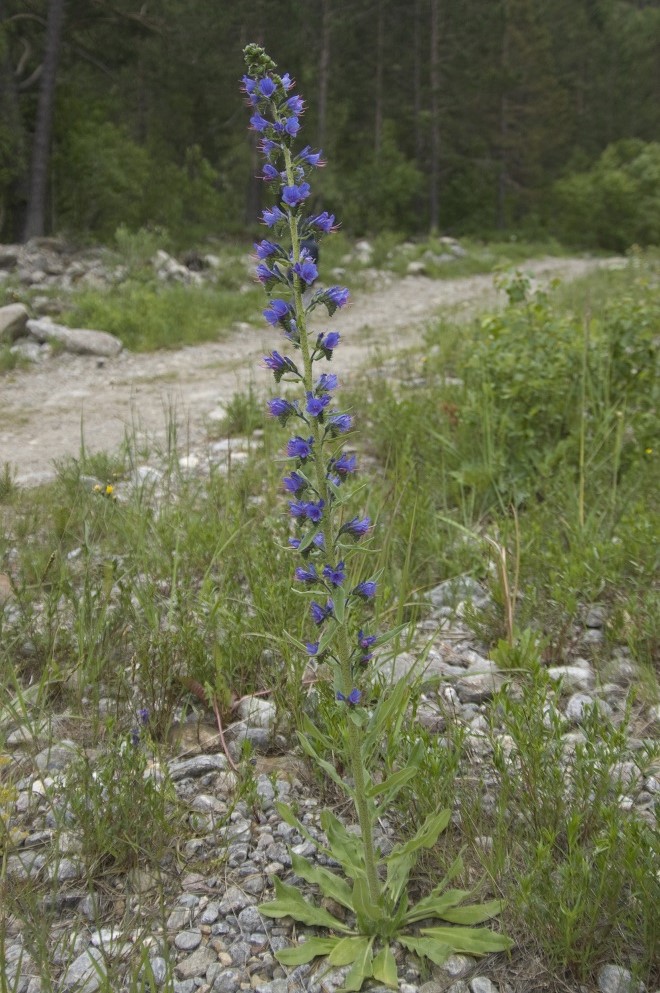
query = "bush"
x=616 y=203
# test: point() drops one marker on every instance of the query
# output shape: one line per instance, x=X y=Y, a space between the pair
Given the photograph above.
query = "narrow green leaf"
x=345 y=847
x=327 y=767
x=339 y=601
x=308 y=950
x=436 y=906
x=347 y=950
x=384 y=967
x=475 y=913
x=393 y=703
x=472 y=941
x=393 y=783
x=289 y=902
x=398 y=872
x=429 y=948
x=364 y=906
x=361 y=969
x=426 y=836
x=331 y=885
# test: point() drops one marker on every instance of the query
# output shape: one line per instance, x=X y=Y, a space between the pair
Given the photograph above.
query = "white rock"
x=13 y=321
x=257 y=712
x=80 y=341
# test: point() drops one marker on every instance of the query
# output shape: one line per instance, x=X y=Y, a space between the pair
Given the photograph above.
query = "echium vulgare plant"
x=374 y=887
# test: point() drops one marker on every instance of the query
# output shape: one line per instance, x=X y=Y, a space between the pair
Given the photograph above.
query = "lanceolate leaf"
x=384 y=968
x=397 y=875
x=472 y=941
x=347 y=950
x=345 y=847
x=365 y=908
x=331 y=885
x=437 y=906
x=425 y=837
x=307 y=951
x=289 y=902
x=393 y=783
x=431 y=948
x=326 y=766
x=361 y=969
x=475 y=913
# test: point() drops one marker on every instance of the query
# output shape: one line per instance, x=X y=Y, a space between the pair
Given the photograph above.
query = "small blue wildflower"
x=327 y=342
x=249 y=85
x=280 y=364
x=319 y=613
x=307 y=508
x=308 y=575
x=295 y=483
x=135 y=737
x=324 y=222
x=311 y=158
x=327 y=381
x=279 y=407
x=352 y=699
x=266 y=248
x=293 y=195
x=272 y=216
x=290 y=126
x=264 y=274
x=345 y=464
x=268 y=146
x=365 y=641
x=365 y=590
x=312 y=648
x=143 y=715
x=340 y=423
x=356 y=527
x=259 y=123
x=338 y=295
x=306 y=270
x=267 y=87
x=295 y=104
x=270 y=173
x=277 y=311
x=316 y=405
x=335 y=576
x=298 y=448
x=287 y=82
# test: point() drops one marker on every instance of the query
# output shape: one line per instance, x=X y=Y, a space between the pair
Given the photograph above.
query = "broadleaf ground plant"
x=329 y=541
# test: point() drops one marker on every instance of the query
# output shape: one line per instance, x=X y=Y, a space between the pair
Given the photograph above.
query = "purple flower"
x=316 y=405
x=272 y=215
x=319 y=613
x=352 y=699
x=295 y=104
x=279 y=407
x=266 y=248
x=365 y=641
x=334 y=297
x=267 y=87
x=335 y=576
x=292 y=126
x=259 y=123
x=277 y=311
x=295 y=483
x=298 y=448
x=345 y=464
x=312 y=648
x=306 y=270
x=287 y=82
x=365 y=590
x=293 y=195
x=270 y=173
x=143 y=715
x=249 y=85
x=311 y=158
x=326 y=381
x=268 y=146
x=264 y=274
x=327 y=341
x=279 y=363
x=308 y=575
x=358 y=528
x=307 y=508
x=317 y=540
x=340 y=423
x=324 y=222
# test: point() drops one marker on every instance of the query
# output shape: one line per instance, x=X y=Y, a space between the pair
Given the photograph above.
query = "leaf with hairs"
x=384 y=967
x=425 y=837
x=327 y=767
x=345 y=847
x=398 y=873
x=474 y=913
x=289 y=902
x=436 y=905
x=393 y=783
x=308 y=950
x=330 y=883
x=366 y=910
x=430 y=948
x=347 y=950
x=361 y=969
x=471 y=941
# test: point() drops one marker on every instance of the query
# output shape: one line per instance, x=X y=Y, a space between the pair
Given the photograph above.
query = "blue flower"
x=267 y=87
x=249 y=85
x=295 y=104
x=267 y=146
x=306 y=270
x=357 y=528
x=295 y=483
x=319 y=613
x=352 y=699
x=365 y=590
x=307 y=508
x=316 y=405
x=264 y=274
x=292 y=126
x=279 y=407
x=298 y=448
x=327 y=342
x=280 y=364
x=345 y=464
x=311 y=158
x=308 y=575
x=266 y=248
x=270 y=172
x=293 y=195
x=324 y=222
x=327 y=381
x=335 y=576
x=143 y=715
x=272 y=215
x=259 y=123
x=277 y=311
x=340 y=423
x=365 y=641
x=287 y=82
x=312 y=648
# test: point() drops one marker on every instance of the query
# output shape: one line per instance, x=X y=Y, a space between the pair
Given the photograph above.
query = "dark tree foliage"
x=459 y=115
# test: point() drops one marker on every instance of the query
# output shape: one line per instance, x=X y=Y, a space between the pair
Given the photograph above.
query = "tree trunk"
x=35 y=221
x=434 y=199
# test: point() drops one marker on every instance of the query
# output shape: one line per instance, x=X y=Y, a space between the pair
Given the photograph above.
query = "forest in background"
x=462 y=116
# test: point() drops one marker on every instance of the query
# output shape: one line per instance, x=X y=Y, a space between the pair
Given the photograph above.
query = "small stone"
x=199 y=765
x=256 y=712
x=234 y=900
x=251 y=920
x=195 y=964
x=86 y=972
x=240 y=952
x=54 y=758
x=614 y=979
x=580 y=703
x=159 y=969
x=179 y=918
x=13 y=320
x=460 y=986
x=210 y=913
x=457 y=966
x=481 y=984
x=188 y=941
x=596 y=617
x=229 y=981
x=573 y=677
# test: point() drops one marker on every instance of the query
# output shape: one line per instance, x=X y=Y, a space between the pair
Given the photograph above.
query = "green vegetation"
x=518 y=450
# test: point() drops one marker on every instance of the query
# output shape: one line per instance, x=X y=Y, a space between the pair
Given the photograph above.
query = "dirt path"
x=44 y=410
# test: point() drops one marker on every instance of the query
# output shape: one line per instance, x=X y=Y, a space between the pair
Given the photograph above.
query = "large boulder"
x=82 y=341
x=13 y=321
